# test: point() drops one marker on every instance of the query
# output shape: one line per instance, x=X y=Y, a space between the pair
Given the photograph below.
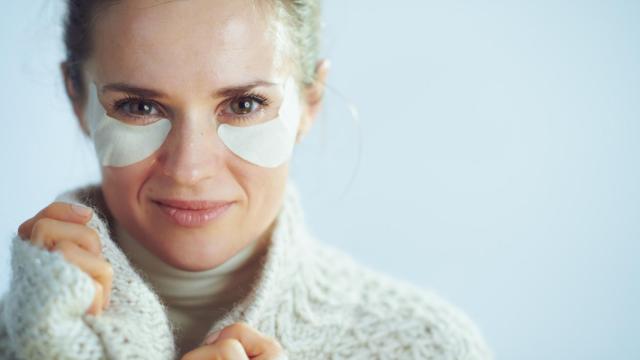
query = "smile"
x=192 y=213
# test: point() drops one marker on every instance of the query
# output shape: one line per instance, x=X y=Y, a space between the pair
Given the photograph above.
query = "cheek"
x=264 y=187
x=122 y=185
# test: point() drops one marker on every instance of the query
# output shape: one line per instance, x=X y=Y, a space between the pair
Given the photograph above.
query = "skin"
x=201 y=47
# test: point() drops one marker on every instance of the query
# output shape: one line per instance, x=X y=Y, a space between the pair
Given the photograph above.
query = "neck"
x=220 y=285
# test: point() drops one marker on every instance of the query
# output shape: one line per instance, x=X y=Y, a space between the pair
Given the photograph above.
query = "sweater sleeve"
x=43 y=313
x=5 y=345
x=44 y=306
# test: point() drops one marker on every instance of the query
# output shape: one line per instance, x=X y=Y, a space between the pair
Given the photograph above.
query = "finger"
x=58 y=210
x=96 y=305
x=224 y=349
x=46 y=232
x=254 y=343
x=99 y=269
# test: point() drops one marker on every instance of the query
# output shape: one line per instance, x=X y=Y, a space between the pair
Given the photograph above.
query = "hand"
x=61 y=227
x=237 y=342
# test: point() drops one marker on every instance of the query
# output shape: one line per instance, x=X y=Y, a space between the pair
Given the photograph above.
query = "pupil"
x=243 y=106
x=143 y=108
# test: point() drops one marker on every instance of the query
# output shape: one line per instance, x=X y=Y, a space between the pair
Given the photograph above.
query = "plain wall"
x=498 y=165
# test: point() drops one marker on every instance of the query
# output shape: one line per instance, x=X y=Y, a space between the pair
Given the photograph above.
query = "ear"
x=313 y=96
x=76 y=98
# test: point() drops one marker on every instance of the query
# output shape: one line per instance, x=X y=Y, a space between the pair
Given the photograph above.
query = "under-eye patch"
x=271 y=143
x=267 y=144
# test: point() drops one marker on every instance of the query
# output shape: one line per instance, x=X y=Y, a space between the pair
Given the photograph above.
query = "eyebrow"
x=224 y=92
x=241 y=89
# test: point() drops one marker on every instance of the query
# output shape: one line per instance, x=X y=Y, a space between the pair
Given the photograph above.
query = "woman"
x=194 y=243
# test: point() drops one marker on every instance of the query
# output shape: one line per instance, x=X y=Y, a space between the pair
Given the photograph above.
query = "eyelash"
x=262 y=102
x=118 y=106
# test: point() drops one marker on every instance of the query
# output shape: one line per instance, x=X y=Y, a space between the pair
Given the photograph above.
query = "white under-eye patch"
x=118 y=143
x=268 y=144
x=271 y=143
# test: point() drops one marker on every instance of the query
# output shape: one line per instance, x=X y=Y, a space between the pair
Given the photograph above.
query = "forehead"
x=168 y=44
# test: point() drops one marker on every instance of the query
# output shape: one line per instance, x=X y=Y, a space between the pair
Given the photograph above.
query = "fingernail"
x=80 y=209
x=211 y=338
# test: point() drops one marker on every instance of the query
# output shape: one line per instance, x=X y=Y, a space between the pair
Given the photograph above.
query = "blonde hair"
x=301 y=20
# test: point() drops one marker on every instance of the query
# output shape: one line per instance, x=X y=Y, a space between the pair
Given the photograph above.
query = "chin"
x=194 y=252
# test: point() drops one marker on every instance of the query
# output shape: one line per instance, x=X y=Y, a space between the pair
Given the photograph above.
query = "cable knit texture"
x=313 y=298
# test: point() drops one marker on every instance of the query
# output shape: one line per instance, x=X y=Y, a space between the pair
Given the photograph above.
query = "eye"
x=137 y=107
x=245 y=105
x=246 y=109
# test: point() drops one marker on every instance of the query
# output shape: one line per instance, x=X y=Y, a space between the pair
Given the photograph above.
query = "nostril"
x=184 y=175
x=191 y=164
x=193 y=151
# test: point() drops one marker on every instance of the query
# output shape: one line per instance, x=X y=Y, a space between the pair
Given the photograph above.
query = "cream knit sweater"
x=316 y=300
x=194 y=299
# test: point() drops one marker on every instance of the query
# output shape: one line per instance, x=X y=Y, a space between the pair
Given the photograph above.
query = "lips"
x=192 y=213
x=191 y=204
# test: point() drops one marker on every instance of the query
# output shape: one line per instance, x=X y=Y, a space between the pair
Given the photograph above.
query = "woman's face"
x=181 y=55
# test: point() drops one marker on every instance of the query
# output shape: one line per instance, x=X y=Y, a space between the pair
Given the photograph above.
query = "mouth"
x=192 y=213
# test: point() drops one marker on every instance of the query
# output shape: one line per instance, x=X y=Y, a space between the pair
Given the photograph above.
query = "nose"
x=193 y=151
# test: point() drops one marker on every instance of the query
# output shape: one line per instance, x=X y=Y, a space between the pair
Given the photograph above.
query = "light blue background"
x=499 y=163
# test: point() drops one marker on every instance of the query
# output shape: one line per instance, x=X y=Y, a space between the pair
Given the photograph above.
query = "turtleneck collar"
x=194 y=299
x=221 y=285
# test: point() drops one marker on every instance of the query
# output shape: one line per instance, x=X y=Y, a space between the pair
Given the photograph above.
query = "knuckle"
x=92 y=234
x=51 y=208
x=107 y=271
x=240 y=326
x=274 y=344
x=22 y=228
x=231 y=345
x=93 y=238
x=63 y=245
x=40 y=227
